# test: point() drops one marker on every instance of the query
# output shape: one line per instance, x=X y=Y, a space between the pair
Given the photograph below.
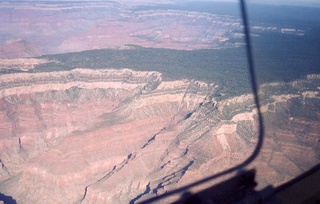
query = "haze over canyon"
x=159 y=97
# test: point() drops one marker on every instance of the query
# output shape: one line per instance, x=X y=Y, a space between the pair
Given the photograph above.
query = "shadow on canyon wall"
x=243 y=183
x=7 y=199
x=240 y=188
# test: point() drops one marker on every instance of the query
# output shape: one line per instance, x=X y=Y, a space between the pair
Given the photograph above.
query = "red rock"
x=109 y=139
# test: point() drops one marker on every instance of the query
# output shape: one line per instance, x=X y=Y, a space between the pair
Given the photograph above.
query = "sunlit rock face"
x=31 y=29
x=120 y=136
x=18 y=48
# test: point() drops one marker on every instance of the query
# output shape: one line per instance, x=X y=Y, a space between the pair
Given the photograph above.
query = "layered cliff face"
x=120 y=136
x=34 y=29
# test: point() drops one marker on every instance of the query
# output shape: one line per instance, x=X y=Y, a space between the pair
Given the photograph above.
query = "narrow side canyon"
x=121 y=136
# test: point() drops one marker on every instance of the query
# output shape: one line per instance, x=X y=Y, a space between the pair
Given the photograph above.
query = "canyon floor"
x=121 y=136
x=121 y=101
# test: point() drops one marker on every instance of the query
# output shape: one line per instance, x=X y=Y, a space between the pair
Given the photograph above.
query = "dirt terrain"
x=122 y=136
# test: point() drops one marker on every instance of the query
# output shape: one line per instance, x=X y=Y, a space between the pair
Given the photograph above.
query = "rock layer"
x=120 y=136
x=62 y=27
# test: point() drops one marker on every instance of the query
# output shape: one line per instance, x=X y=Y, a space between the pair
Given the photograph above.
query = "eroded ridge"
x=121 y=136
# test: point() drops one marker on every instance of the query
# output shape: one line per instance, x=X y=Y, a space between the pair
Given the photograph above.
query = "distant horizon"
x=308 y=3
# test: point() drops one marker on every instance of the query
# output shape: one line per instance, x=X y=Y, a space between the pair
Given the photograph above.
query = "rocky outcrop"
x=31 y=30
x=20 y=64
x=19 y=48
x=121 y=136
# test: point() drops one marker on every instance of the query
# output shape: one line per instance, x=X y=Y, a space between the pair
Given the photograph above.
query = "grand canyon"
x=109 y=126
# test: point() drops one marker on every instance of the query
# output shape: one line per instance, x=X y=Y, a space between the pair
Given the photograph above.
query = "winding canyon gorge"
x=123 y=101
x=121 y=136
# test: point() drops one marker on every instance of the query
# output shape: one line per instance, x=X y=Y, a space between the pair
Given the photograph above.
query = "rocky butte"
x=33 y=29
x=99 y=127
x=121 y=136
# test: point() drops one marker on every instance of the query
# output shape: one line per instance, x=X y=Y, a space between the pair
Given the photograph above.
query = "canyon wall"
x=121 y=136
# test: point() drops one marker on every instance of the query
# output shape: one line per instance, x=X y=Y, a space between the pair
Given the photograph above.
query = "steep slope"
x=120 y=136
